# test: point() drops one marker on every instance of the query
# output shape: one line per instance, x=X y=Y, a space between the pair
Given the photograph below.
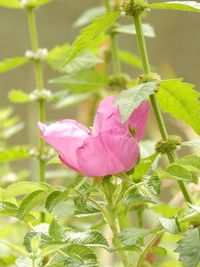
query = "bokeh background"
x=174 y=52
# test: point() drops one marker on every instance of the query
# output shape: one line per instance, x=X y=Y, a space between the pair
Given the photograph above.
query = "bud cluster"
x=119 y=81
x=169 y=145
x=43 y=94
x=134 y=7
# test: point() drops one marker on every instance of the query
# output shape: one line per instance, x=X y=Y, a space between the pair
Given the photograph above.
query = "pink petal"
x=139 y=118
x=110 y=152
x=66 y=137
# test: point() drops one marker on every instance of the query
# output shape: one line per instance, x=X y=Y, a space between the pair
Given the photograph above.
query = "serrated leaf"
x=132 y=237
x=52 y=200
x=89 y=34
x=179 y=172
x=129 y=100
x=190 y=162
x=11 y=209
x=89 y=15
x=77 y=256
x=177 y=5
x=181 y=101
x=170 y=225
x=10 y=3
x=189 y=248
x=85 y=60
x=22 y=188
x=85 y=80
x=44 y=238
x=31 y=201
x=14 y=153
x=143 y=167
x=18 y=96
x=130 y=29
x=71 y=100
x=56 y=231
x=135 y=199
x=12 y=63
x=153 y=183
x=91 y=238
x=84 y=208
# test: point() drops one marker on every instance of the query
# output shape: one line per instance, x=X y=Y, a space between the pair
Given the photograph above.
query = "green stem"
x=154 y=103
x=114 y=47
x=111 y=215
x=40 y=86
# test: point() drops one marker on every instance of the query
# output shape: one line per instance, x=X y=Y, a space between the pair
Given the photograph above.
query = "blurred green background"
x=174 y=51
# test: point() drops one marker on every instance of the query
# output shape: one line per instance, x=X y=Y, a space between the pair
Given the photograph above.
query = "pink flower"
x=109 y=148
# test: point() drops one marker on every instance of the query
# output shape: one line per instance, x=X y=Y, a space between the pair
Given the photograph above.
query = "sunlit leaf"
x=88 y=35
x=170 y=225
x=130 y=29
x=10 y=3
x=18 y=96
x=12 y=63
x=130 y=99
x=14 y=153
x=177 y=5
x=181 y=101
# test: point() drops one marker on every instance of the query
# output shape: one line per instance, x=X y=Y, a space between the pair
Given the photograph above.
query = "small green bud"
x=119 y=81
x=169 y=145
x=152 y=77
x=134 y=7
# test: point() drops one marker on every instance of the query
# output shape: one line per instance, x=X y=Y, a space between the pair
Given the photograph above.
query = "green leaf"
x=189 y=248
x=31 y=201
x=85 y=80
x=12 y=63
x=52 y=200
x=56 y=56
x=77 y=256
x=23 y=261
x=84 y=208
x=18 y=96
x=37 y=3
x=11 y=209
x=153 y=183
x=160 y=251
x=91 y=238
x=179 y=172
x=181 y=101
x=132 y=237
x=170 y=225
x=14 y=153
x=135 y=199
x=130 y=29
x=130 y=59
x=56 y=231
x=72 y=100
x=190 y=162
x=165 y=210
x=89 y=15
x=177 y=5
x=129 y=100
x=7 y=133
x=22 y=188
x=10 y=3
x=195 y=143
x=143 y=167
x=85 y=60
x=90 y=34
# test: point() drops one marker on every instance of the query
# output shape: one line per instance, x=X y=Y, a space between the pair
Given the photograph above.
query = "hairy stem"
x=40 y=86
x=113 y=221
x=155 y=106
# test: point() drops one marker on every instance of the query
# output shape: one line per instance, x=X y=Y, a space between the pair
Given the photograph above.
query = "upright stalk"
x=161 y=124
x=113 y=221
x=40 y=87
